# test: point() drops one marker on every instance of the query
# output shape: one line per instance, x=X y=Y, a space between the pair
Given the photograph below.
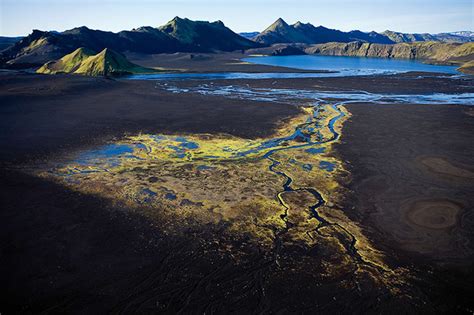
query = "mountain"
x=205 y=36
x=281 y=32
x=468 y=34
x=178 y=35
x=40 y=47
x=398 y=37
x=85 y=62
x=455 y=37
x=184 y=35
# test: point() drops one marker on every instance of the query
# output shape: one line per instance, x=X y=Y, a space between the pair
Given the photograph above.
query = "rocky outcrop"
x=421 y=50
x=437 y=52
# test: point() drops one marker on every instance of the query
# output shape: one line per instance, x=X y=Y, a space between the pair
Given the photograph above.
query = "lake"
x=351 y=65
x=334 y=66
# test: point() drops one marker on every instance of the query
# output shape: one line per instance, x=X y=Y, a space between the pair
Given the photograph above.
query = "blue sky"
x=19 y=17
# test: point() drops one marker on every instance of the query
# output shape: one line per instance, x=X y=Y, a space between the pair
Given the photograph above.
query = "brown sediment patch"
x=434 y=227
x=442 y=166
x=434 y=214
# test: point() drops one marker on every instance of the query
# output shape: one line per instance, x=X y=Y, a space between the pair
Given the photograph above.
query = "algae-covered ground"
x=285 y=188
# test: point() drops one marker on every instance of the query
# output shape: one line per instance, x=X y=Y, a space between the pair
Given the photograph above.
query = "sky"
x=20 y=17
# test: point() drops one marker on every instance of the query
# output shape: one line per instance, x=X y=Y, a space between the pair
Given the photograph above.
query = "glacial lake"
x=334 y=66
x=351 y=65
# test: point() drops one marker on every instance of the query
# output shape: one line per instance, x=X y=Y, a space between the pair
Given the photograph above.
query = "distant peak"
x=278 y=24
x=37 y=33
x=302 y=25
x=178 y=19
x=219 y=22
x=81 y=28
x=280 y=21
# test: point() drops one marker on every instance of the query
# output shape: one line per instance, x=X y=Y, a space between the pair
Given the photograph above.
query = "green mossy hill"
x=85 y=62
x=109 y=63
x=67 y=64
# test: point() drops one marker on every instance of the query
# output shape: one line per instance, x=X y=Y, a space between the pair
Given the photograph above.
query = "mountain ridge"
x=280 y=32
x=185 y=35
x=178 y=35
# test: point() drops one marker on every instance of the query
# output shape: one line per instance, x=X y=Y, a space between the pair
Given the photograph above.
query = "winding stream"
x=305 y=135
x=317 y=98
x=287 y=186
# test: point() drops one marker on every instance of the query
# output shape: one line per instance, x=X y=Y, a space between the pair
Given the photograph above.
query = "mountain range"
x=306 y=33
x=184 y=35
x=179 y=34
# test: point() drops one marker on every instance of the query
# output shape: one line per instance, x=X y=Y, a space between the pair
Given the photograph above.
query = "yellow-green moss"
x=84 y=62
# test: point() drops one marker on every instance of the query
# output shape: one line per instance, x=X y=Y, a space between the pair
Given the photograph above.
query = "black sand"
x=62 y=251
